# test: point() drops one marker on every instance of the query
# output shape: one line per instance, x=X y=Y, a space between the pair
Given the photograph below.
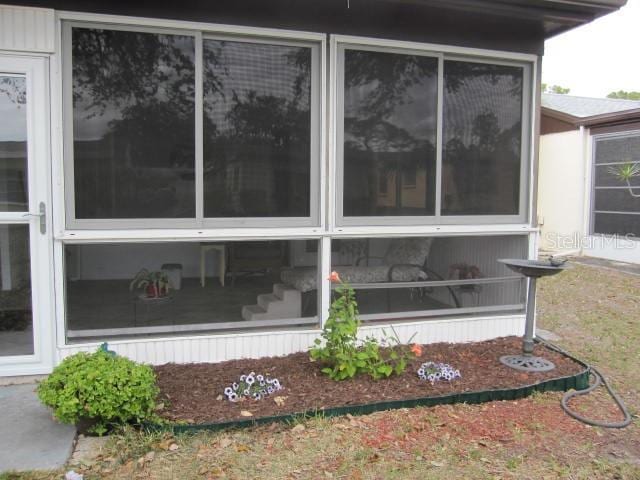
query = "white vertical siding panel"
x=228 y=347
x=27 y=29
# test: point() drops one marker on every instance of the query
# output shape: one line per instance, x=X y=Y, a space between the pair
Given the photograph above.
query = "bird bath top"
x=534 y=268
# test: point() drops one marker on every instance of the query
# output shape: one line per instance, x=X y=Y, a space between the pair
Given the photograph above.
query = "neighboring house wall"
x=565 y=195
x=561 y=191
x=553 y=125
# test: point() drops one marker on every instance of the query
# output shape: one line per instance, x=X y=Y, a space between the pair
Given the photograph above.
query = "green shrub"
x=101 y=388
x=343 y=355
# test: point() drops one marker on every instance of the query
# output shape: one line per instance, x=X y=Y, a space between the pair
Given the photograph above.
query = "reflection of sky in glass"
x=13 y=116
x=266 y=70
x=416 y=113
x=415 y=110
x=92 y=122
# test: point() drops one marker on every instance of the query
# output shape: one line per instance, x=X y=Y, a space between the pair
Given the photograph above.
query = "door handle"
x=42 y=215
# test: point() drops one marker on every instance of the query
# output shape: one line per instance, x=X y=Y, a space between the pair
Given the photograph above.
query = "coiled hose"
x=599 y=380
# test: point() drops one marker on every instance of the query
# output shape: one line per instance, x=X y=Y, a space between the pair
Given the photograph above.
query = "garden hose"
x=599 y=380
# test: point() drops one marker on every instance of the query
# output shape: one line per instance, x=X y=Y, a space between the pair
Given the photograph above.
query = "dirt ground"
x=596 y=313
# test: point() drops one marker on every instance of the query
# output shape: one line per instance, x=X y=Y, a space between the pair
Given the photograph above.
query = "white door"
x=26 y=316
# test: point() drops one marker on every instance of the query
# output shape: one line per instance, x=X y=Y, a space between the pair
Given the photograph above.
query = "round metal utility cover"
x=527 y=363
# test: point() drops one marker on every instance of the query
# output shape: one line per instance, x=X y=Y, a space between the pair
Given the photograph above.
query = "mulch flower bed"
x=194 y=393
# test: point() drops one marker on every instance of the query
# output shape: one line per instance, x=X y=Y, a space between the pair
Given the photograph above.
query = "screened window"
x=116 y=290
x=147 y=147
x=257 y=129
x=390 y=106
x=133 y=124
x=422 y=277
x=616 y=186
x=482 y=139
x=406 y=139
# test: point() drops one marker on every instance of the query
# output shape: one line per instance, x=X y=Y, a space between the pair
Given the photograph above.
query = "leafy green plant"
x=625 y=173
x=100 y=388
x=344 y=355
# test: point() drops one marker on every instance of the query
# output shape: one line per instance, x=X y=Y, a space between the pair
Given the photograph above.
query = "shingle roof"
x=583 y=107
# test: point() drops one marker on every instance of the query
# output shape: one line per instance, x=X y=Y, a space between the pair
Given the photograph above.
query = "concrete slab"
x=547 y=335
x=29 y=437
x=87 y=450
x=630 y=268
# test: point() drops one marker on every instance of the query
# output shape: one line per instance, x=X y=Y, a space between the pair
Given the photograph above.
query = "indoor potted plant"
x=155 y=284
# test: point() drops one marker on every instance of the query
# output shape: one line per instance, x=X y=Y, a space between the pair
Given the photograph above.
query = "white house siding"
x=561 y=191
x=260 y=344
x=27 y=29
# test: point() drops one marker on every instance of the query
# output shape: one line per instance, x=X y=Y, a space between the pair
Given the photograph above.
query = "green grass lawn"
x=597 y=314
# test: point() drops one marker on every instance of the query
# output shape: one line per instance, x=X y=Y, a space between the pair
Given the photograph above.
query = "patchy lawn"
x=597 y=314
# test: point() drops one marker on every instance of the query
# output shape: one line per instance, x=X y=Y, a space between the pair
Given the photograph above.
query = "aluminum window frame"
x=315 y=42
x=593 y=187
x=529 y=66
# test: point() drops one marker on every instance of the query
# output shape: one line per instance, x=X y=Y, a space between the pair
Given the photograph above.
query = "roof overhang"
x=605 y=119
x=511 y=25
x=555 y=16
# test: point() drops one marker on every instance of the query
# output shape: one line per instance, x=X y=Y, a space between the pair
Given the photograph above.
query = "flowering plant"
x=344 y=355
x=252 y=386
x=434 y=372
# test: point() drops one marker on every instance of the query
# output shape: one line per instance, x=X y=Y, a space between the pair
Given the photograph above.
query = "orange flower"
x=334 y=277
x=416 y=349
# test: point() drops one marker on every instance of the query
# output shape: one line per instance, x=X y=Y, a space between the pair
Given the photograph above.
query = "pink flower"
x=334 y=277
x=416 y=349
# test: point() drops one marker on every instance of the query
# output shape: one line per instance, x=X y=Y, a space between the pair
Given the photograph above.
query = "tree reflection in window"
x=257 y=130
x=482 y=133
x=133 y=124
x=14 y=195
x=390 y=111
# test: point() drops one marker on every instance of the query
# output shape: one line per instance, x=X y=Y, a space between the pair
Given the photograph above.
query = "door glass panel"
x=16 y=323
x=13 y=144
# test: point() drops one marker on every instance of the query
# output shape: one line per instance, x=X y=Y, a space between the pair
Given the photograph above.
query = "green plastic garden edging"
x=579 y=381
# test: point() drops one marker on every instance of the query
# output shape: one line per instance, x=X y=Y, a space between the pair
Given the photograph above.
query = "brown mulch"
x=191 y=393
